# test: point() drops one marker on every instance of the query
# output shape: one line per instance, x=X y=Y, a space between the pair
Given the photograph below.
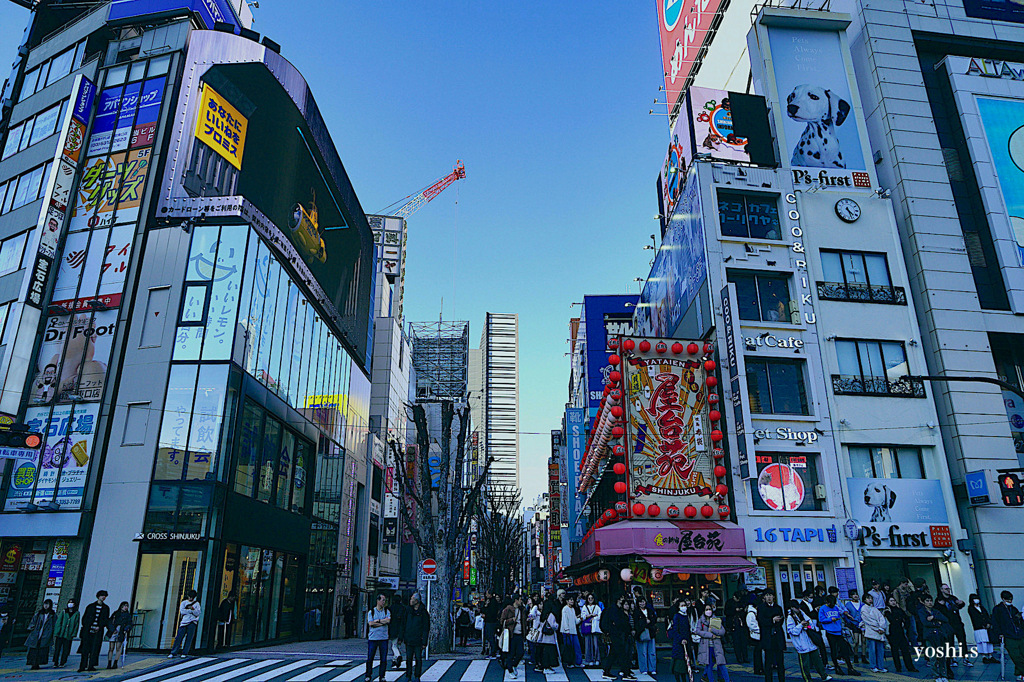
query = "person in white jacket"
x=798 y=625
x=756 y=653
x=875 y=628
x=572 y=654
x=590 y=618
x=190 y=611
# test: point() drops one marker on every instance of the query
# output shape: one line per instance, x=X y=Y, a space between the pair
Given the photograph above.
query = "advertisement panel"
x=211 y=11
x=811 y=78
x=679 y=269
x=683 y=26
x=710 y=113
x=126 y=116
x=64 y=459
x=668 y=434
x=576 y=440
x=999 y=10
x=1003 y=123
x=598 y=311
x=107 y=182
x=899 y=513
x=221 y=126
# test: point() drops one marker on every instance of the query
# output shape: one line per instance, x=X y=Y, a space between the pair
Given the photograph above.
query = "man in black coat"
x=416 y=634
x=615 y=624
x=94 y=624
x=771 y=621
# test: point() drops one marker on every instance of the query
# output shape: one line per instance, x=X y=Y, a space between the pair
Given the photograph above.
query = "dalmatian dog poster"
x=814 y=93
x=903 y=501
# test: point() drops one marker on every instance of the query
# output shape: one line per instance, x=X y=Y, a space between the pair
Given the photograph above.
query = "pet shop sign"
x=785 y=433
x=831 y=179
x=899 y=513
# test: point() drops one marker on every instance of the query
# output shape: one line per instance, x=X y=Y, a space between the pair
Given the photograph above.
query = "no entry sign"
x=428 y=567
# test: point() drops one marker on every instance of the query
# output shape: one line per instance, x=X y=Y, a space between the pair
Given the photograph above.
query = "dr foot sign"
x=221 y=126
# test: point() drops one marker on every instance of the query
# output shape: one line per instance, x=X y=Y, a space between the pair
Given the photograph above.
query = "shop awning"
x=701 y=564
x=679 y=541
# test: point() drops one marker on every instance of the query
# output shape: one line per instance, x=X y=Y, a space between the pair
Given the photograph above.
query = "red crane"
x=414 y=202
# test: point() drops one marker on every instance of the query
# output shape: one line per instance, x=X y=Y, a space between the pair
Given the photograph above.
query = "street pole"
x=427 y=656
x=985 y=380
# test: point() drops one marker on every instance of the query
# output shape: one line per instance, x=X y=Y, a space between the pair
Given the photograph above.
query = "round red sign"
x=428 y=566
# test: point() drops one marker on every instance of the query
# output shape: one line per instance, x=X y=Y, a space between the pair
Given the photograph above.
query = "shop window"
x=776 y=386
x=875 y=368
x=178 y=508
x=247 y=459
x=12 y=250
x=886 y=462
x=174 y=427
x=285 y=461
x=249 y=582
x=1008 y=354
x=749 y=215
x=377 y=484
x=190 y=432
x=289 y=596
x=762 y=296
x=266 y=593
x=268 y=459
x=302 y=452
x=223 y=311
x=858 y=276
x=786 y=482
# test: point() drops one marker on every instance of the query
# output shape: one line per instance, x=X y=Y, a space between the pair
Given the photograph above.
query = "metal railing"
x=904 y=387
x=862 y=293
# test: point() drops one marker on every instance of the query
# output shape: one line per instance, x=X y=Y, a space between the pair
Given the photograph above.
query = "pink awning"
x=678 y=541
x=701 y=564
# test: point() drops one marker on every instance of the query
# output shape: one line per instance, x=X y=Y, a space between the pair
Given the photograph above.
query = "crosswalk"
x=251 y=669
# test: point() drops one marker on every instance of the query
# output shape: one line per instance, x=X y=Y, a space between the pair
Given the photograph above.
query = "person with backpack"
x=377 y=620
x=852 y=621
x=830 y=617
x=514 y=624
x=547 y=645
x=799 y=626
x=63 y=632
x=1008 y=627
x=646 y=656
x=464 y=623
x=755 y=639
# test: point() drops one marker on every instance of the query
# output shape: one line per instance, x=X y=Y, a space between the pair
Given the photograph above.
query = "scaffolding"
x=440 y=359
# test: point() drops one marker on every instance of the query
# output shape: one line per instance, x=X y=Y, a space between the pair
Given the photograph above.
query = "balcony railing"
x=862 y=293
x=904 y=387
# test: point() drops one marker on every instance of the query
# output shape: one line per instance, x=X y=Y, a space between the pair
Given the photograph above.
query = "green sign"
x=472 y=576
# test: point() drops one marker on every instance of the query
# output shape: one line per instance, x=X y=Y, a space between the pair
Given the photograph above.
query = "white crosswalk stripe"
x=350 y=674
x=277 y=672
x=594 y=674
x=338 y=663
x=174 y=668
x=475 y=671
x=520 y=674
x=227 y=663
x=236 y=674
x=436 y=671
x=557 y=675
x=644 y=677
x=310 y=675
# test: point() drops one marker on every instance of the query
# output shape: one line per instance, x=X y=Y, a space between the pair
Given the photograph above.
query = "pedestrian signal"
x=1010 y=490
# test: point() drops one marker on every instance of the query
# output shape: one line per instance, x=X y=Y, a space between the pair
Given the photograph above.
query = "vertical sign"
x=683 y=25
x=737 y=381
x=575 y=418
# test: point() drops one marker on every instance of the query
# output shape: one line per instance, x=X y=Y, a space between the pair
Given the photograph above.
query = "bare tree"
x=500 y=537
x=442 y=506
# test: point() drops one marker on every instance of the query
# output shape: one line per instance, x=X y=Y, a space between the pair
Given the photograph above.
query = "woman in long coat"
x=40 y=636
x=711 y=654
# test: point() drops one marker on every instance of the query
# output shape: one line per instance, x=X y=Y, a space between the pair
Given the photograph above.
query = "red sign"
x=941 y=536
x=683 y=25
x=428 y=566
x=465 y=569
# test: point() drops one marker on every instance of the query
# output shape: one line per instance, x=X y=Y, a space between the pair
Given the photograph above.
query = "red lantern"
x=709 y=365
x=614 y=393
x=616 y=411
x=639 y=509
x=654 y=510
x=661 y=347
x=690 y=511
x=715 y=415
x=712 y=398
x=619 y=450
x=720 y=471
x=723 y=511
x=619 y=468
x=617 y=432
x=620 y=487
x=614 y=359
x=711 y=381
x=615 y=377
x=707 y=511
x=672 y=511
x=677 y=348
x=645 y=346
x=718 y=453
x=613 y=342
x=716 y=435
x=628 y=344
x=708 y=348
x=721 y=490
x=600 y=523
x=692 y=348
x=607 y=513
x=620 y=507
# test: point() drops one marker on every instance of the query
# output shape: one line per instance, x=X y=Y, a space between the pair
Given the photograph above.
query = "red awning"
x=701 y=564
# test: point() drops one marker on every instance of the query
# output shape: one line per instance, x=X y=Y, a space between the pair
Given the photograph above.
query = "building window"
x=786 y=482
x=749 y=215
x=52 y=70
x=858 y=276
x=886 y=462
x=877 y=368
x=762 y=296
x=1008 y=354
x=776 y=386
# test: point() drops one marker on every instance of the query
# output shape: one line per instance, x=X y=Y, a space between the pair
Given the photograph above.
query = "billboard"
x=598 y=312
x=1003 y=123
x=576 y=440
x=812 y=80
x=999 y=10
x=679 y=269
x=668 y=430
x=126 y=116
x=683 y=26
x=210 y=11
x=254 y=145
x=899 y=513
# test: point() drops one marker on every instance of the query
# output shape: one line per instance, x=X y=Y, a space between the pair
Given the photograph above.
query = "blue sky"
x=546 y=104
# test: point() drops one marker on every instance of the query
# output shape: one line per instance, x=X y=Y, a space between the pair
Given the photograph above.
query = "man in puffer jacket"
x=755 y=639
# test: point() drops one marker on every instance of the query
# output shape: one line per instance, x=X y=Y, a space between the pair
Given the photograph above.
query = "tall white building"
x=499 y=374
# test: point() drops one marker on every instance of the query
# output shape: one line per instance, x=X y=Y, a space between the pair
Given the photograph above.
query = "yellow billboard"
x=221 y=126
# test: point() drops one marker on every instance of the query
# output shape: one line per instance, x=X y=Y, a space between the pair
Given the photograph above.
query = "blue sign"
x=599 y=314
x=977 y=487
x=209 y=11
x=83 y=101
x=106 y=119
x=576 y=440
x=797 y=534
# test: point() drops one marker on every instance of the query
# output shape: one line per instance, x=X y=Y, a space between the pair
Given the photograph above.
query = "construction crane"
x=415 y=202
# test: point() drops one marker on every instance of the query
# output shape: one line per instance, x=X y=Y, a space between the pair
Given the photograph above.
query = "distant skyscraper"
x=499 y=369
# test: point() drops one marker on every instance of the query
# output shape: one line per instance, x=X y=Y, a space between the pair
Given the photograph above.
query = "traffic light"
x=1010 y=490
x=14 y=444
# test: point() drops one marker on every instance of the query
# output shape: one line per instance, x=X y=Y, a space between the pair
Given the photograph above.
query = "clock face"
x=847 y=210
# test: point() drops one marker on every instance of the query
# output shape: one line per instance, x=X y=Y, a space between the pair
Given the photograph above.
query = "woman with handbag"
x=711 y=654
x=644 y=619
x=547 y=645
x=573 y=654
x=590 y=628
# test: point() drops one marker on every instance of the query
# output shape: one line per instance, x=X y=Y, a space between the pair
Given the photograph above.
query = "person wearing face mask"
x=679 y=632
x=63 y=632
x=711 y=654
x=980 y=623
x=1008 y=627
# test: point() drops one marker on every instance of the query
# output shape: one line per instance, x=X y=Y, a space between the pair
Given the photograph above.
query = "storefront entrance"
x=164 y=579
x=893 y=570
x=796 y=576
